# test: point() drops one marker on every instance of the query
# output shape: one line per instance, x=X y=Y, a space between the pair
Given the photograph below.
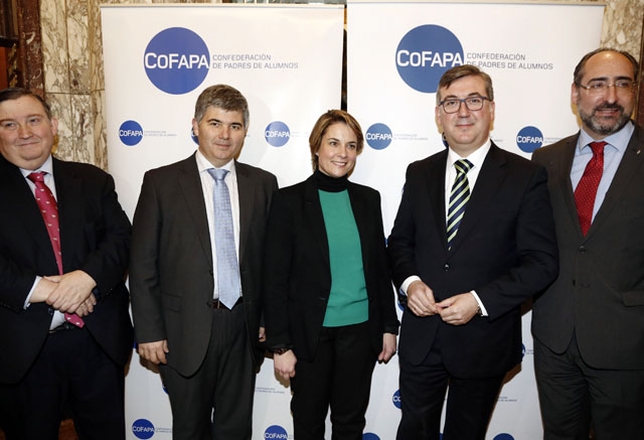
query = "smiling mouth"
x=28 y=144
x=609 y=109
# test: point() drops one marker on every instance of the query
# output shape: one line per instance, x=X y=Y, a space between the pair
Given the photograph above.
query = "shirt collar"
x=203 y=165
x=476 y=158
x=618 y=140
x=47 y=167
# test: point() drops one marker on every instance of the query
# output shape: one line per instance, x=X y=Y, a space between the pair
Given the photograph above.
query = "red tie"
x=49 y=210
x=587 y=188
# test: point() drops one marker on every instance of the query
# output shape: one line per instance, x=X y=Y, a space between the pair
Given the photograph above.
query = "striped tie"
x=458 y=199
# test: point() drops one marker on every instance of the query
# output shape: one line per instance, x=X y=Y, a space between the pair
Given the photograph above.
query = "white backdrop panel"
x=396 y=53
x=286 y=60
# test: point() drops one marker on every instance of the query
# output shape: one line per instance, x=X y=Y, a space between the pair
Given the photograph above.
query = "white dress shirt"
x=208 y=187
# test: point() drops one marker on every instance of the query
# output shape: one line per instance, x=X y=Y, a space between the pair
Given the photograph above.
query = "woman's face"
x=338 y=150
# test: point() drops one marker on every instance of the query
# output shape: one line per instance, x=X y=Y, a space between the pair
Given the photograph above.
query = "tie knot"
x=37 y=177
x=597 y=147
x=218 y=173
x=463 y=166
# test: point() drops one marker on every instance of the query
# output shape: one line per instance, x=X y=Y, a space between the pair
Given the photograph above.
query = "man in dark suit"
x=184 y=318
x=473 y=238
x=65 y=330
x=589 y=325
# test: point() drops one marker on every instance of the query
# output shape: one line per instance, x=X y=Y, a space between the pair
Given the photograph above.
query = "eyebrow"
x=225 y=123
x=38 y=115
x=468 y=96
x=605 y=78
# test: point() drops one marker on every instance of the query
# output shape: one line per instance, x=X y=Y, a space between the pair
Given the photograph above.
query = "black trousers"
x=216 y=402
x=338 y=377
x=571 y=393
x=470 y=401
x=73 y=372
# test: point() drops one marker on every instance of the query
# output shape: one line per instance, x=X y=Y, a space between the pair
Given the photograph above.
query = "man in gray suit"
x=196 y=308
x=589 y=325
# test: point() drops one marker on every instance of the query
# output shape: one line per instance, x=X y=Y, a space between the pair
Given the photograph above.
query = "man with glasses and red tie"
x=474 y=238
x=589 y=325
x=65 y=330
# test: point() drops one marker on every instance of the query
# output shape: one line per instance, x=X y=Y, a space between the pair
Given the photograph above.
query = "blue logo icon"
x=142 y=429
x=130 y=133
x=425 y=53
x=529 y=139
x=370 y=436
x=522 y=351
x=275 y=432
x=503 y=436
x=379 y=136
x=396 y=399
x=277 y=133
x=176 y=60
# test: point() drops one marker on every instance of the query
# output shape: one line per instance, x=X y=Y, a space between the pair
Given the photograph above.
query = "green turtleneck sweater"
x=348 y=303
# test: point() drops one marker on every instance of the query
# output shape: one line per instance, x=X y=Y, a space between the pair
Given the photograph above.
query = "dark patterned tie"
x=49 y=210
x=458 y=199
x=586 y=190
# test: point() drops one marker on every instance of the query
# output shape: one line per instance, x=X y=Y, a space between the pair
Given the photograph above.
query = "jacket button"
x=446 y=267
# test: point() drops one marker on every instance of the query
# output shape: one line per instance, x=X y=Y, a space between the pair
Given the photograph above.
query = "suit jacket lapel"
x=490 y=177
x=630 y=165
x=361 y=214
x=21 y=200
x=435 y=181
x=246 y=203
x=69 y=190
x=190 y=183
x=563 y=182
x=315 y=218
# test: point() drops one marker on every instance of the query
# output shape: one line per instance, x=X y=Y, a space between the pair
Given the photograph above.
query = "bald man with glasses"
x=589 y=325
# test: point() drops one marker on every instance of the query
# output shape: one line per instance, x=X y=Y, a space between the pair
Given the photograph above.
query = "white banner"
x=286 y=60
x=397 y=52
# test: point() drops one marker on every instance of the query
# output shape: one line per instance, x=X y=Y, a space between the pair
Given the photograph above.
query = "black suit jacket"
x=298 y=274
x=171 y=272
x=599 y=293
x=505 y=250
x=95 y=238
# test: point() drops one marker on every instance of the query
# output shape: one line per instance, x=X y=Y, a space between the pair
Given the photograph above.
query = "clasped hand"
x=67 y=293
x=456 y=310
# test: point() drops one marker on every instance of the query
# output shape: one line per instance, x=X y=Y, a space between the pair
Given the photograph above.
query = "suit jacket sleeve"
x=278 y=263
x=144 y=277
x=385 y=289
x=401 y=242
x=16 y=283
x=109 y=244
x=536 y=263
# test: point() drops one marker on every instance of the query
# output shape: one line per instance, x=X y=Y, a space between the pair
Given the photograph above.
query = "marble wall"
x=73 y=65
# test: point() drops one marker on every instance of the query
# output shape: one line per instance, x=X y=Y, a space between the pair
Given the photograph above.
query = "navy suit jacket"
x=95 y=238
x=505 y=250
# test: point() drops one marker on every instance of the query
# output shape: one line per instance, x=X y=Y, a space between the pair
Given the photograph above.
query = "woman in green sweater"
x=328 y=303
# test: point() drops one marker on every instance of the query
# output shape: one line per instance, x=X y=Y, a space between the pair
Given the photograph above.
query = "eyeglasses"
x=473 y=103
x=622 y=86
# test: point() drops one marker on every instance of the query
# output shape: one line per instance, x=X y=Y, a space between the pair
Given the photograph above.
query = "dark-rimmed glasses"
x=473 y=103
